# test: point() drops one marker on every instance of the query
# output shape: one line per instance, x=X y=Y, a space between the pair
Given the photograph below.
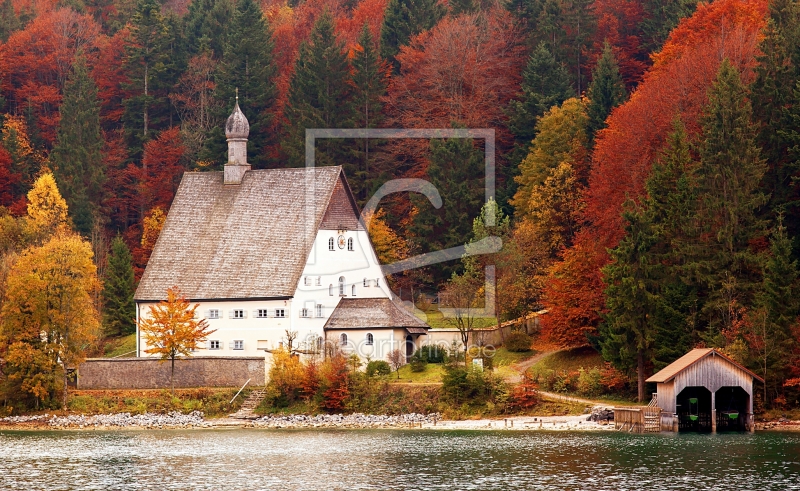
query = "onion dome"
x=237 y=125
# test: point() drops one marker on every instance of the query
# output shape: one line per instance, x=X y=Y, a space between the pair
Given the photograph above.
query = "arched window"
x=341 y=286
x=370 y=339
x=330 y=244
x=330 y=289
x=353 y=294
x=343 y=339
x=350 y=244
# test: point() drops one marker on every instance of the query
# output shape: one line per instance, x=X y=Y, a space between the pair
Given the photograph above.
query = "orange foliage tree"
x=676 y=85
x=171 y=329
x=37 y=60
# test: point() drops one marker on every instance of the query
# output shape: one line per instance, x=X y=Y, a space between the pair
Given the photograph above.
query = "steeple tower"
x=237 y=128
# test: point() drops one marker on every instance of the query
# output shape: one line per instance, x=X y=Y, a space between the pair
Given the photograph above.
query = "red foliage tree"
x=676 y=85
x=618 y=23
x=162 y=169
x=8 y=179
x=37 y=60
x=335 y=378
x=110 y=78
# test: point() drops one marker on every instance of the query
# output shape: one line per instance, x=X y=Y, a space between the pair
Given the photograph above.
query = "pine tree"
x=320 y=96
x=403 y=20
x=778 y=70
x=9 y=22
x=207 y=24
x=248 y=66
x=606 y=91
x=119 y=310
x=76 y=156
x=661 y=17
x=649 y=316
x=456 y=170
x=545 y=83
x=731 y=169
x=369 y=81
x=148 y=65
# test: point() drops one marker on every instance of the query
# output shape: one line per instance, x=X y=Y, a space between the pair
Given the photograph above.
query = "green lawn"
x=123 y=347
x=432 y=375
x=436 y=320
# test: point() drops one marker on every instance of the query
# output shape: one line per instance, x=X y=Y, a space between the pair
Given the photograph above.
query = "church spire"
x=237 y=129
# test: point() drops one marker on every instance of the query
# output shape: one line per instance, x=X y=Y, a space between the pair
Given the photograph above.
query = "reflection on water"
x=395 y=460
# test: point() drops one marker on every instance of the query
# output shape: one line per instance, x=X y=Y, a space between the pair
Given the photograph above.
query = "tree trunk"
x=65 y=386
x=640 y=370
x=172 y=376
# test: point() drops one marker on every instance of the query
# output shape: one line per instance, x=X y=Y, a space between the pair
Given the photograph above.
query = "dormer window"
x=331 y=244
x=350 y=244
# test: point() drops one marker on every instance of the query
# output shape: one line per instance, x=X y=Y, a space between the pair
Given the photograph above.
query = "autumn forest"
x=647 y=157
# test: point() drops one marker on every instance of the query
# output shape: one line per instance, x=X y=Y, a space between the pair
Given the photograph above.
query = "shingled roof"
x=670 y=371
x=360 y=313
x=249 y=240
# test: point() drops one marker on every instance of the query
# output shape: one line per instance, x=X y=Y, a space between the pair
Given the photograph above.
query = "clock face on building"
x=341 y=242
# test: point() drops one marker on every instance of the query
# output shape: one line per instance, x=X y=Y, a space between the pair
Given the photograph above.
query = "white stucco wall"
x=324 y=267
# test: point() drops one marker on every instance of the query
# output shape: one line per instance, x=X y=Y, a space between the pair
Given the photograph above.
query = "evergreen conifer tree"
x=9 y=21
x=207 y=24
x=606 y=91
x=119 y=310
x=661 y=17
x=545 y=83
x=76 y=156
x=403 y=20
x=369 y=81
x=320 y=96
x=247 y=65
x=731 y=169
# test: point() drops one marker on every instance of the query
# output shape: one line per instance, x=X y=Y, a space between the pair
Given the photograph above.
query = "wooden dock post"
x=713 y=412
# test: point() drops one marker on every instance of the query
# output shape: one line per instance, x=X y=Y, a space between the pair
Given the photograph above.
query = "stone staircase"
x=252 y=401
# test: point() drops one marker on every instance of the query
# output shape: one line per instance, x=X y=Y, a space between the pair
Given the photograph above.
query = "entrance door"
x=409 y=346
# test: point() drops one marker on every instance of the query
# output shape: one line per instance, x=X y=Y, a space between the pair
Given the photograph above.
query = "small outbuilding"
x=704 y=390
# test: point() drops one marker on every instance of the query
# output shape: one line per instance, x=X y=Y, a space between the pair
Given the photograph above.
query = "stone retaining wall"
x=151 y=373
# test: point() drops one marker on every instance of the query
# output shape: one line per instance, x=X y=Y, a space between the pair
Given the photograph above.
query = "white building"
x=269 y=251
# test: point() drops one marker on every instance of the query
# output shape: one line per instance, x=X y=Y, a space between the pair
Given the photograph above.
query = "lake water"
x=395 y=460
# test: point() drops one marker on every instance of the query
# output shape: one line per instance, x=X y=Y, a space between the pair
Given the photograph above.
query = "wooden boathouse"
x=704 y=390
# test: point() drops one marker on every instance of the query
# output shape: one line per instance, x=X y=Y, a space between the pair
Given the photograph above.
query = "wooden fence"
x=638 y=419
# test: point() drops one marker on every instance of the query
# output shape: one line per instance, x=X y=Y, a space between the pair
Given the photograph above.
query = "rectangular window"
x=319 y=280
x=280 y=313
x=306 y=281
x=262 y=313
x=214 y=344
x=303 y=312
x=319 y=310
x=213 y=314
x=238 y=314
x=238 y=344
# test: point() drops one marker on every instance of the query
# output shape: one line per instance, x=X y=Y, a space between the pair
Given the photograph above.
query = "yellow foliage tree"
x=171 y=329
x=49 y=317
x=389 y=247
x=285 y=376
x=555 y=206
x=47 y=210
x=561 y=137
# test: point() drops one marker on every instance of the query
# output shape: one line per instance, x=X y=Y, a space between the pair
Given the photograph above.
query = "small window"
x=330 y=290
x=370 y=339
x=213 y=314
x=238 y=344
x=213 y=344
x=366 y=283
x=262 y=313
x=280 y=313
x=307 y=281
x=330 y=244
x=319 y=310
x=238 y=313
x=353 y=292
x=303 y=312
x=377 y=282
x=341 y=286
x=343 y=339
x=319 y=280
x=350 y=244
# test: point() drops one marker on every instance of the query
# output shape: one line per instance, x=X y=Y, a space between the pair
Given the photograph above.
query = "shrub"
x=418 y=363
x=334 y=383
x=518 y=342
x=433 y=353
x=525 y=395
x=378 y=367
x=589 y=382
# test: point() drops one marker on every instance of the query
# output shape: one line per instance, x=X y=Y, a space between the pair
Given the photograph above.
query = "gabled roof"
x=250 y=240
x=360 y=313
x=670 y=371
